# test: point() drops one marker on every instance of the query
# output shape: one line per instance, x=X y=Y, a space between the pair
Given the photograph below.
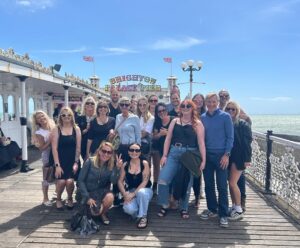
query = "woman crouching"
x=95 y=179
x=138 y=192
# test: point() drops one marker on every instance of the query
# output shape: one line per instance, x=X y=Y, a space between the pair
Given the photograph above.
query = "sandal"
x=70 y=204
x=197 y=203
x=104 y=219
x=142 y=223
x=162 y=212
x=59 y=205
x=184 y=214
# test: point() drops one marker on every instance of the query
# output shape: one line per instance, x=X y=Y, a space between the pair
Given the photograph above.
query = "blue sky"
x=249 y=47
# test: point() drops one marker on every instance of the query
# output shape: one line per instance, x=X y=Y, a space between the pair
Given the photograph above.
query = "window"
x=1 y=109
x=30 y=106
x=11 y=108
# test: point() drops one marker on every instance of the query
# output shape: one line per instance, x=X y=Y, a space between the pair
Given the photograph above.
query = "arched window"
x=31 y=106
x=1 y=109
x=11 y=108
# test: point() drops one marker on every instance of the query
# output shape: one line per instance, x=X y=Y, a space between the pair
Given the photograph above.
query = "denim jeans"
x=167 y=175
x=138 y=207
x=213 y=166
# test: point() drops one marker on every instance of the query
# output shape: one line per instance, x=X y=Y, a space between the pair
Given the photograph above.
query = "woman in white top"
x=41 y=129
x=146 y=123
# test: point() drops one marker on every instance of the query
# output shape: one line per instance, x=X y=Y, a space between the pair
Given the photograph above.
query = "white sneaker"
x=234 y=215
x=224 y=222
x=206 y=214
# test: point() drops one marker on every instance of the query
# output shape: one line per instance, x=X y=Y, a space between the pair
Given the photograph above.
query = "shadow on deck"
x=24 y=222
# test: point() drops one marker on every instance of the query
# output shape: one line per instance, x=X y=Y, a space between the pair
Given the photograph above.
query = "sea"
x=279 y=124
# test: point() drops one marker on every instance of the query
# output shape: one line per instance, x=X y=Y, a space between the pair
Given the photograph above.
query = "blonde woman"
x=42 y=126
x=66 y=151
x=240 y=157
x=84 y=122
x=146 y=124
x=95 y=179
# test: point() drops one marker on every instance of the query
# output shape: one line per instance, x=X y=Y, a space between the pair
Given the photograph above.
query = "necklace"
x=102 y=122
x=185 y=122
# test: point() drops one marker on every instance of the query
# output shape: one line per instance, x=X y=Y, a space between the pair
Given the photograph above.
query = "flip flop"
x=162 y=212
x=184 y=214
x=142 y=223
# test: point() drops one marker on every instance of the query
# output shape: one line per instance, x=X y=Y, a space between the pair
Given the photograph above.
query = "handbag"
x=191 y=159
x=115 y=140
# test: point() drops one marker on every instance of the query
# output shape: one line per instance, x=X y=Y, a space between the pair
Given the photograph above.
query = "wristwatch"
x=227 y=154
x=56 y=165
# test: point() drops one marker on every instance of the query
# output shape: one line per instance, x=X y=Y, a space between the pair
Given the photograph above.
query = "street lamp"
x=191 y=66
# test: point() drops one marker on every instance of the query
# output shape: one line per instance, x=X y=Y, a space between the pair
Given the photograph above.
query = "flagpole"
x=94 y=67
x=171 y=68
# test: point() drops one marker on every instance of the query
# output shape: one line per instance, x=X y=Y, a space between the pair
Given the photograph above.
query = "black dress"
x=97 y=133
x=161 y=141
x=66 y=153
x=82 y=123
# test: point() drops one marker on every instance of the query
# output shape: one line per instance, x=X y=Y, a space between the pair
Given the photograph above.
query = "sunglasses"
x=134 y=150
x=161 y=111
x=106 y=152
x=230 y=109
x=143 y=105
x=100 y=107
x=188 y=106
x=66 y=115
x=153 y=100
x=90 y=103
x=126 y=105
x=223 y=96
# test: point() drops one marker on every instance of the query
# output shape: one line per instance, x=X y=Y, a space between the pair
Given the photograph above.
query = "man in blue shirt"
x=218 y=141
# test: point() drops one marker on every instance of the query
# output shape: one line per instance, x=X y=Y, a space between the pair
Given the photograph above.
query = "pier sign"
x=140 y=78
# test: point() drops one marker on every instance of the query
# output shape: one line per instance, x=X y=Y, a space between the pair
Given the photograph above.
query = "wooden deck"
x=25 y=223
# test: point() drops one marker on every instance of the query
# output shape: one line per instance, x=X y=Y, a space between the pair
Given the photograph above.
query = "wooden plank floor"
x=25 y=223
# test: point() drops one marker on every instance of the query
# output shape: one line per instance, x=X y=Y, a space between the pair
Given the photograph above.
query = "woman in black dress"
x=100 y=127
x=66 y=152
x=84 y=122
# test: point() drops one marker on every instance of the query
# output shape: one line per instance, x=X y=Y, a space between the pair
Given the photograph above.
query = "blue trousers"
x=213 y=168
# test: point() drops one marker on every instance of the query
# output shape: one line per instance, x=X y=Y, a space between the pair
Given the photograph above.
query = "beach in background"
x=280 y=124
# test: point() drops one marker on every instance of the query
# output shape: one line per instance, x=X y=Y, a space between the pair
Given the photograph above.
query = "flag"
x=88 y=58
x=168 y=60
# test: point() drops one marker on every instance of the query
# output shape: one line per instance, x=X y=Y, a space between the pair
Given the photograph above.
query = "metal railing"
x=276 y=169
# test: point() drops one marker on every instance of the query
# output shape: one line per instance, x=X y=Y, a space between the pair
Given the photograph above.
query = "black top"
x=241 y=151
x=173 y=113
x=114 y=111
x=132 y=180
x=98 y=132
x=185 y=135
x=82 y=123
x=159 y=143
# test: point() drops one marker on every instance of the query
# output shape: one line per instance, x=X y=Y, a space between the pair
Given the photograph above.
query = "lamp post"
x=191 y=66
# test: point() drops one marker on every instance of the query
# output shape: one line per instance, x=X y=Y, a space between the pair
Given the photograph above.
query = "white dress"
x=45 y=154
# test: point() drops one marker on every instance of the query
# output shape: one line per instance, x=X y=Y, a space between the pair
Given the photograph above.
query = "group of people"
x=123 y=142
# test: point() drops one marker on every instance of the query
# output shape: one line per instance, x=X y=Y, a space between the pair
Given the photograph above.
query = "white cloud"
x=272 y=99
x=118 y=50
x=179 y=44
x=34 y=5
x=76 y=50
x=285 y=7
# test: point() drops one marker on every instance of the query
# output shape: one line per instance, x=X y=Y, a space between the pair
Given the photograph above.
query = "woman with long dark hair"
x=160 y=130
x=137 y=193
x=185 y=132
